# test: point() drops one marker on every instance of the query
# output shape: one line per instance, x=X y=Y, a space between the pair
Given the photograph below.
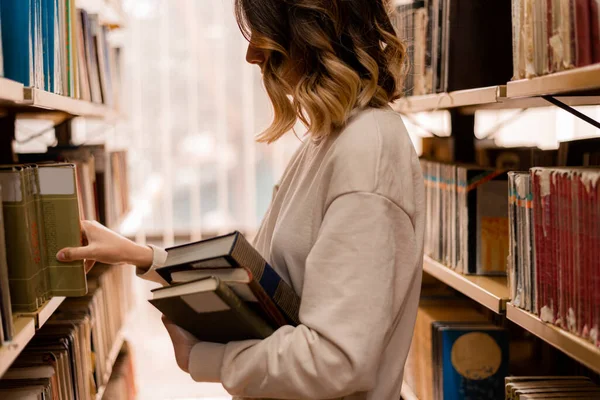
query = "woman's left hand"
x=183 y=343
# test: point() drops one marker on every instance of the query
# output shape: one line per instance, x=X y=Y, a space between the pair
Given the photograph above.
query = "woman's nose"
x=255 y=56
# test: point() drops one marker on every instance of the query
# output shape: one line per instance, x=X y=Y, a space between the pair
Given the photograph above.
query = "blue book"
x=18 y=21
x=51 y=43
x=471 y=361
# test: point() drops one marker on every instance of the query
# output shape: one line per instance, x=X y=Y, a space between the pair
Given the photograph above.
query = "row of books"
x=54 y=46
x=550 y=387
x=69 y=357
x=467 y=207
x=554 y=263
x=467 y=217
x=551 y=36
x=441 y=34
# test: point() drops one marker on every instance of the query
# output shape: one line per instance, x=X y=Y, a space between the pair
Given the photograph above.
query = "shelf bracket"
x=569 y=109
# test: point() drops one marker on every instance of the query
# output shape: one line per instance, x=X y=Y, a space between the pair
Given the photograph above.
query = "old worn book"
x=23 y=256
x=234 y=251
x=58 y=192
x=210 y=310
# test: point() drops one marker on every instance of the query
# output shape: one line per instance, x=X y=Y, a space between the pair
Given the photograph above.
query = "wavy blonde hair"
x=345 y=54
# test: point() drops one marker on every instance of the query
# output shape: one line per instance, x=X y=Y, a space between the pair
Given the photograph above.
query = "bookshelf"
x=112 y=358
x=457 y=99
x=407 y=393
x=24 y=332
x=577 y=348
x=489 y=291
x=36 y=100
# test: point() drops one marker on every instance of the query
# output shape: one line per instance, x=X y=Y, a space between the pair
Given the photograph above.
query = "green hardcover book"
x=60 y=206
x=32 y=173
x=22 y=241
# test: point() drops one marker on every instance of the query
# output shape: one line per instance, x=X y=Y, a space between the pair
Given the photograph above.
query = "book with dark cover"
x=515 y=158
x=472 y=360
x=580 y=152
x=234 y=251
x=22 y=243
x=478 y=44
x=210 y=310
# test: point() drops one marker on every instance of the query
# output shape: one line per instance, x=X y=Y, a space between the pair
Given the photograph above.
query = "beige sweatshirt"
x=345 y=229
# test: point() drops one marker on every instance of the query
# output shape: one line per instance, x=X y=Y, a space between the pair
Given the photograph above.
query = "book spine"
x=595 y=27
x=512 y=249
x=282 y=294
x=552 y=265
x=539 y=239
x=5 y=303
x=529 y=250
x=260 y=328
x=583 y=32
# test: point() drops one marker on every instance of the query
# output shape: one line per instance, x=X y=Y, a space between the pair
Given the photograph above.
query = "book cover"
x=583 y=33
x=210 y=310
x=23 y=255
x=473 y=361
x=62 y=227
x=5 y=304
x=19 y=57
x=233 y=250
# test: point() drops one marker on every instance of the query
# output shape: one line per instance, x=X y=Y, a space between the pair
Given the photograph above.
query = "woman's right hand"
x=105 y=246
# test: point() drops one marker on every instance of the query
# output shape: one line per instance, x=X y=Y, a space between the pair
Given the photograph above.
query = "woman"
x=345 y=228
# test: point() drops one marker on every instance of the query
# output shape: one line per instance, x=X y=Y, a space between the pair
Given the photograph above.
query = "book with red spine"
x=591 y=180
x=595 y=27
x=583 y=46
x=539 y=241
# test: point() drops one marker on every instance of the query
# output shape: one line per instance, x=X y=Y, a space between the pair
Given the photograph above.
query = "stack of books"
x=69 y=357
x=222 y=290
x=550 y=387
x=54 y=46
x=552 y=36
x=441 y=34
x=554 y=262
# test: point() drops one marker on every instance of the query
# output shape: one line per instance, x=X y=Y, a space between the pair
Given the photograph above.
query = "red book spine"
x=582 y=32
x=537 y=240
x=562 y=247
x=593 y=196
x=542 y=239
x=569 y=242
x=585 y=251
x=581 y=287
x=552 y=261
x=595 y=26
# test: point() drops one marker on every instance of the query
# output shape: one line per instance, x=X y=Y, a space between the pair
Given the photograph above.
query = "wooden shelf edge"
x=457 y=99
x=494 y=295
x=24 y=332
x=37 y=99
x=574 y=346
x=45 y=312
x=112 y=358
x=571 y=81
x=407 y=393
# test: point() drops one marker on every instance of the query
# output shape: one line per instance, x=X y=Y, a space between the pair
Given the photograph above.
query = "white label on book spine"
x=57 y=180
x=205 y=302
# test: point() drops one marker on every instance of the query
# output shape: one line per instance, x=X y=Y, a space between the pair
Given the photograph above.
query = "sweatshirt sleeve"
x=159 y=258
x=348 y=308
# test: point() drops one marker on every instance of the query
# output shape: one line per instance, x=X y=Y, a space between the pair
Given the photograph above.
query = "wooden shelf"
x=407 y=393
x=573 y=81
x=576 y=347
x=458 y=99
x=45 y=312
x=112 y=358
x=10 y=91
x=489 y=291
x=36 y=100
x=24 y=332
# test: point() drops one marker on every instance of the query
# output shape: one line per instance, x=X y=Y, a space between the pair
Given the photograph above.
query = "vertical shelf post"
x=7 y=136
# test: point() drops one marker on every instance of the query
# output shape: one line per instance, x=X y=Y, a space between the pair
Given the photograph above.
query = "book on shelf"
x=441 y=34
x=424 y=368
x=210 y=310
x=277 y=301
x=551 y=36
x=548 y=387
x=41 y=214
x=467 y=224
x=69 y=356
x=579 y=153
x=515 y=158
x=558 y=276
x=122 y=385
x=54 y=46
